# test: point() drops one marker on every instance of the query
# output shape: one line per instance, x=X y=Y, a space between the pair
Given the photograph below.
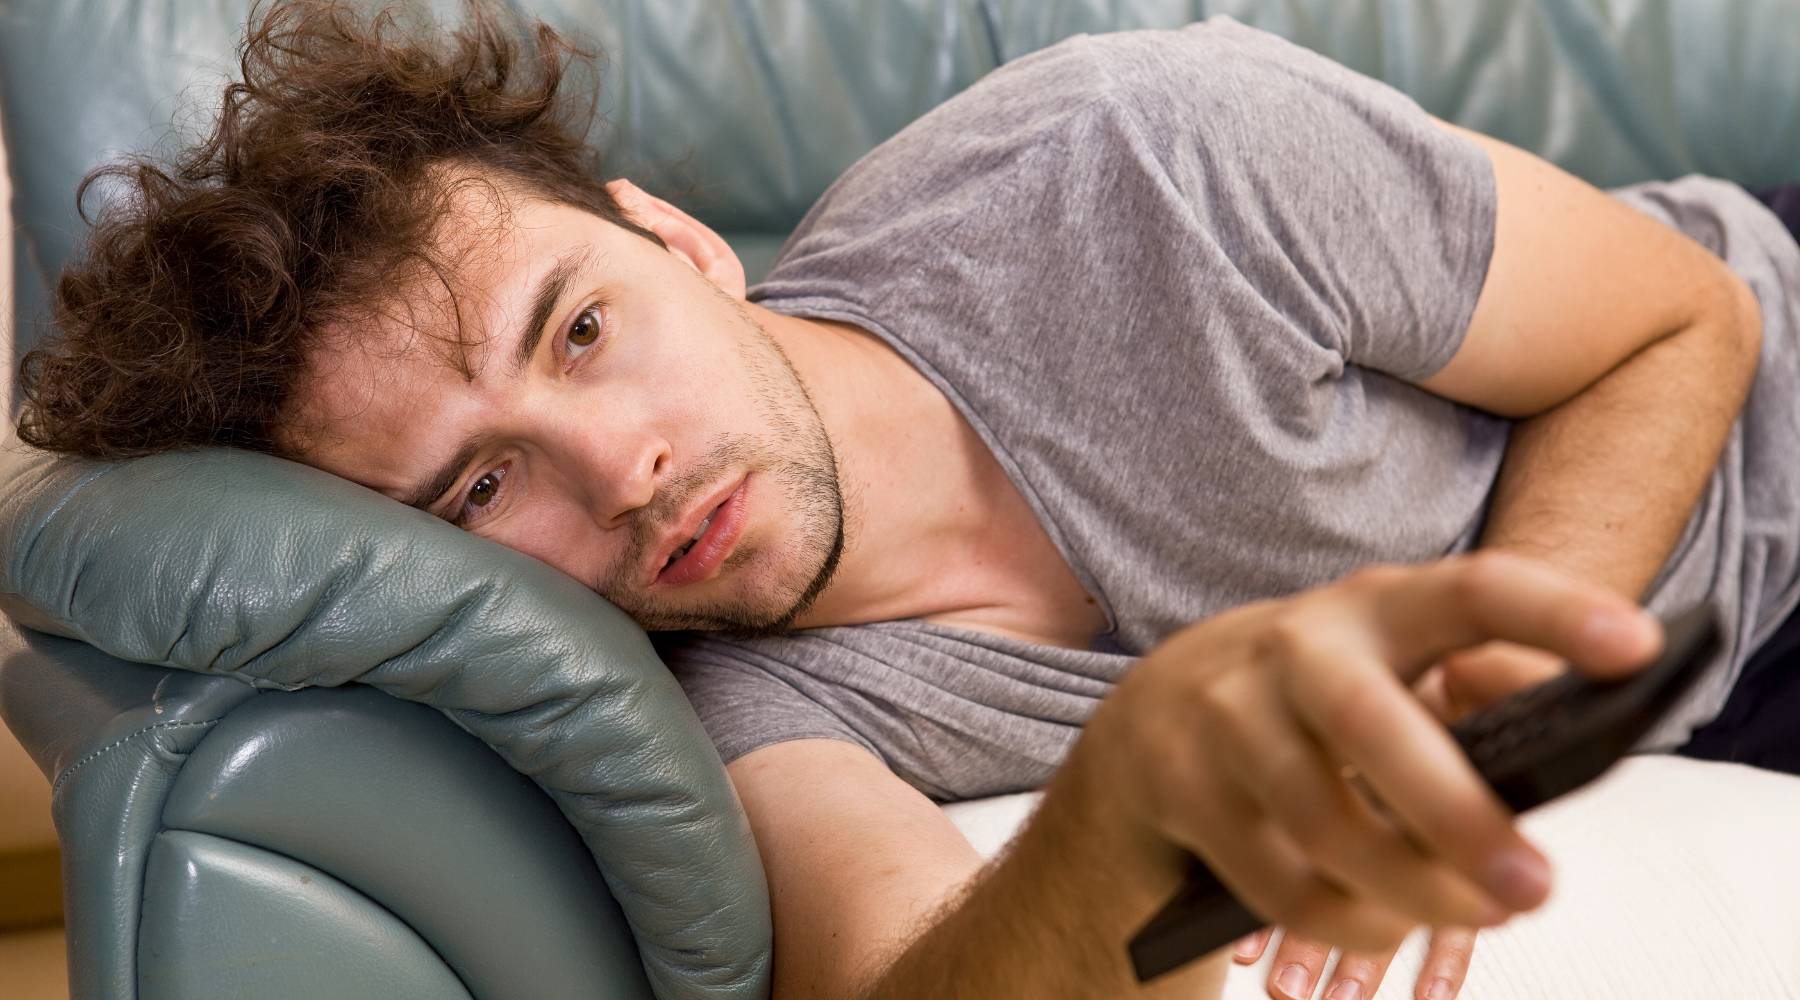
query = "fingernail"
x=1246 y=947
x=1440 y=989
x=1292 y=981
x=1519 y=878
x=1349 y=989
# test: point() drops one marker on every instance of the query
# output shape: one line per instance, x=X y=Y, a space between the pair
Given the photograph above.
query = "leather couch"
x=306 y=742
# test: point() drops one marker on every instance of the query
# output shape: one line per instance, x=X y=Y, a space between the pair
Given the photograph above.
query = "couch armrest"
x=299 y=844
x=268 y=575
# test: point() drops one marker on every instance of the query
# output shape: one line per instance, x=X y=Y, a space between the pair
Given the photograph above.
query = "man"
x=1017 y=469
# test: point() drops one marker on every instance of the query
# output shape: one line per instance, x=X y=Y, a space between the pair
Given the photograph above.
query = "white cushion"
x=1675 y=878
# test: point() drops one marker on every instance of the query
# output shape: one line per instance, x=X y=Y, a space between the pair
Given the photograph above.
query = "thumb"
x=1429 y=688
x=1477 y=677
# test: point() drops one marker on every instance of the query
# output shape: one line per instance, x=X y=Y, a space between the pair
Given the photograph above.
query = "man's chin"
x=775 y=617
x=729 y=627
x=734 y=623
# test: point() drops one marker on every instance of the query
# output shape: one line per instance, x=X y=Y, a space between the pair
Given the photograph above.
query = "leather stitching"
x=72 y=768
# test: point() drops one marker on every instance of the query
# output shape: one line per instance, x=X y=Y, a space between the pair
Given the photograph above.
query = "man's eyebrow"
x=435 y=487
x=549 y=293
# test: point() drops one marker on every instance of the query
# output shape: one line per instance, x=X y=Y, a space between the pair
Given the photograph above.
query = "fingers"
x=1285 y=771
x=1282 y=695
x=1338 y=674
x=1358 y=974
x=1433 y=694
x=1250 y=947
x=1476 y=678
x=1295 y=972
x=1350 y=704
x=1446 y=963
x=1424 y=613
x=1261 y=865
x=1296 y=968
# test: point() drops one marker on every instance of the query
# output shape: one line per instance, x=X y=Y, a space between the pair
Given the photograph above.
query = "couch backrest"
x=747 y=109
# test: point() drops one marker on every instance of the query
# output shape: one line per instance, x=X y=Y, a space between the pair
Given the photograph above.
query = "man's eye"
x=583 y=333
x=481 y=496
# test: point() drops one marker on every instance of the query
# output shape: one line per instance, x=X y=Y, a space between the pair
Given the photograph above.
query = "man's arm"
x=1626 y=350
x=1228 y=739
x=862 y=868
x=1603 y=485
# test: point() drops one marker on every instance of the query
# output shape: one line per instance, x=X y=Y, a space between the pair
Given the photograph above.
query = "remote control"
x=1530 y=747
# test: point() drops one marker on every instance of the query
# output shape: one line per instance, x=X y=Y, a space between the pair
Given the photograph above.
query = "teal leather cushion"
x=227 y=562
x=112 y=737
x=249 y=948
x=421 y=820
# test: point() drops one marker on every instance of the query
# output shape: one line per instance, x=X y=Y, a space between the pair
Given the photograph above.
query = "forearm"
x=1051 y=918
x=1602 y=485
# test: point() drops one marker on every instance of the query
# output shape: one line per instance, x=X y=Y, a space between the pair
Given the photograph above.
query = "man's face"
x=647 y=394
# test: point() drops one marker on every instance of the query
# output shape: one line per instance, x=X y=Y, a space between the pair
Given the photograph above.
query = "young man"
x=1019 y=467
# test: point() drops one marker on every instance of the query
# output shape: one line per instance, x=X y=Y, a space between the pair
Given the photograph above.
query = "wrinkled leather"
x=282 y=576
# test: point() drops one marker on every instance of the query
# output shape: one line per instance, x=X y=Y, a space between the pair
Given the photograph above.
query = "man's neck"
x=919 y=487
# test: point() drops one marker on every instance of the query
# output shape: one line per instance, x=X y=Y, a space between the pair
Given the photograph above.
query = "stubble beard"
x=800 y=462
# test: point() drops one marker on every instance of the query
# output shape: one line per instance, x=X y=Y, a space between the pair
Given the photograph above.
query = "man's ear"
x=690 y=239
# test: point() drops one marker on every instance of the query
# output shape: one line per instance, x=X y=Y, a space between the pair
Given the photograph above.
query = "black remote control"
x=1531 y=747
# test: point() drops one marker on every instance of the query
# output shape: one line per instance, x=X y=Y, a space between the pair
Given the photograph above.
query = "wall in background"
x=24 y=794
x=30 y=879
x=24 y=801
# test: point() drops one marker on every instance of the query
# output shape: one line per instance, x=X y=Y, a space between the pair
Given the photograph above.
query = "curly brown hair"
x=188 y=318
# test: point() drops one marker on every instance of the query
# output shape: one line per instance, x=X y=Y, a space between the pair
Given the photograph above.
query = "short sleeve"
x=744 y=707
x=1350 y=211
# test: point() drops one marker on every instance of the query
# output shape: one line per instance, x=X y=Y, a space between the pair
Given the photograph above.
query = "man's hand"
x=1230 y=740
x=1465 y=682
x=1299 y=962
x=1454 y=688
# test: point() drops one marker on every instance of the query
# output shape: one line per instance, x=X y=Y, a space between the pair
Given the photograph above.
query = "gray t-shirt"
x=1181 y=283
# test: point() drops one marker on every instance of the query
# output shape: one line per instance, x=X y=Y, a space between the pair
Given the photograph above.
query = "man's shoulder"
x=1097 y=74
x=1219 y=47
x=1059 y=126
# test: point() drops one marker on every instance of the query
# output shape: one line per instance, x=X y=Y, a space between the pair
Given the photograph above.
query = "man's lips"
x=720 y=534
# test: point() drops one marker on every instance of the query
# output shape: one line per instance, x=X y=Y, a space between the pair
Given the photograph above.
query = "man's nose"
x=616 y=472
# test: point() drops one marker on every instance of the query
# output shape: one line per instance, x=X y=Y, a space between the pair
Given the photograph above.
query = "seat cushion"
x=1672 y=878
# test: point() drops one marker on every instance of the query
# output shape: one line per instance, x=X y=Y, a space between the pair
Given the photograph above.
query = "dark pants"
x=1784 y=201
x=1760 y=724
